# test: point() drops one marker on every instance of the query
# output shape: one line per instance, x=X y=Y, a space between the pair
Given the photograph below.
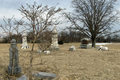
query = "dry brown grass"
x=82 y=64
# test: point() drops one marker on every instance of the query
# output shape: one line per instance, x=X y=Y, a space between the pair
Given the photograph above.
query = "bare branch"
x=96 y=16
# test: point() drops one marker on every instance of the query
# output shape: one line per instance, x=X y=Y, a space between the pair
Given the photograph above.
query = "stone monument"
x=22 y=78
x=54 y=45
x=72 y=48
x=46 y=52
x=14 y=67
x=84 y=43
x=24 y=41
x=44 y=75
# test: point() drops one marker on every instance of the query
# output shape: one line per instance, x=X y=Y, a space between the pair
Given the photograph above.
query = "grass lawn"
x=82 y=64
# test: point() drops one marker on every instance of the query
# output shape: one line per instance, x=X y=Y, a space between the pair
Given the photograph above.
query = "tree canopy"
x=93 y=17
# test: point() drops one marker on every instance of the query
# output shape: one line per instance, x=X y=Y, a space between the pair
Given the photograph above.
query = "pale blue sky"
x=8 y=8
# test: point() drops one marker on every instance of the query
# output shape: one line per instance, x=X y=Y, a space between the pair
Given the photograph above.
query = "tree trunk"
x=33 y=44
x=93 y=42
x=31 y=59
x=30 y=71
x=9 y=37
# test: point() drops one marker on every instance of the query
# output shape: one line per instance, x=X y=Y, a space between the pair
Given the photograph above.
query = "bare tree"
x=7 y=27
x=93 y=17
x=39 y=19
x=11 y=27
x=17 y=24
x=44 y=40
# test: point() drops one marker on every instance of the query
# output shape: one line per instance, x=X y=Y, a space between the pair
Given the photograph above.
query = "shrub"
x=60 y=42
x=66 y=41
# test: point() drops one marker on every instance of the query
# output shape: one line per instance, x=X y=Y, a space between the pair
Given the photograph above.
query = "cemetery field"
x=82 y=64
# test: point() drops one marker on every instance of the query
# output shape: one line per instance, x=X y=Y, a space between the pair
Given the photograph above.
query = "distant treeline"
x=66 y=37
x=76 y=36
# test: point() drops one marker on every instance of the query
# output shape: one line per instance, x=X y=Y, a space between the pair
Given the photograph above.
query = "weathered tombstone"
x=72 y=48
x=14 y=67
x=54 y=45
x=84 y=43
x=103 y=48
x=39 y=51
x=44 y=75
x=46 y=52
x=22 y=78
x=24 y=41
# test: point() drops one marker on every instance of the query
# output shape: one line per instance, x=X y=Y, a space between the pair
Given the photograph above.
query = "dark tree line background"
x=68 y=36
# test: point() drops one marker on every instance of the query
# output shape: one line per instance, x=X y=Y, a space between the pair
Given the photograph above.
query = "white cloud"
x=8 y=8
x=8 y=13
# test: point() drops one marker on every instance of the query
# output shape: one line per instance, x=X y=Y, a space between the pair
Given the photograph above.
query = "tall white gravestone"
x=24 y=41
x=14 y=58
x=54 y=45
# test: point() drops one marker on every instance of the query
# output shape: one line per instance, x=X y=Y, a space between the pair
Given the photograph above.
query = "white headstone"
x=54 y=45
x=103 y=48
x=39 y=51
x=46 y=52
x=24 y=41
x=72 y=48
